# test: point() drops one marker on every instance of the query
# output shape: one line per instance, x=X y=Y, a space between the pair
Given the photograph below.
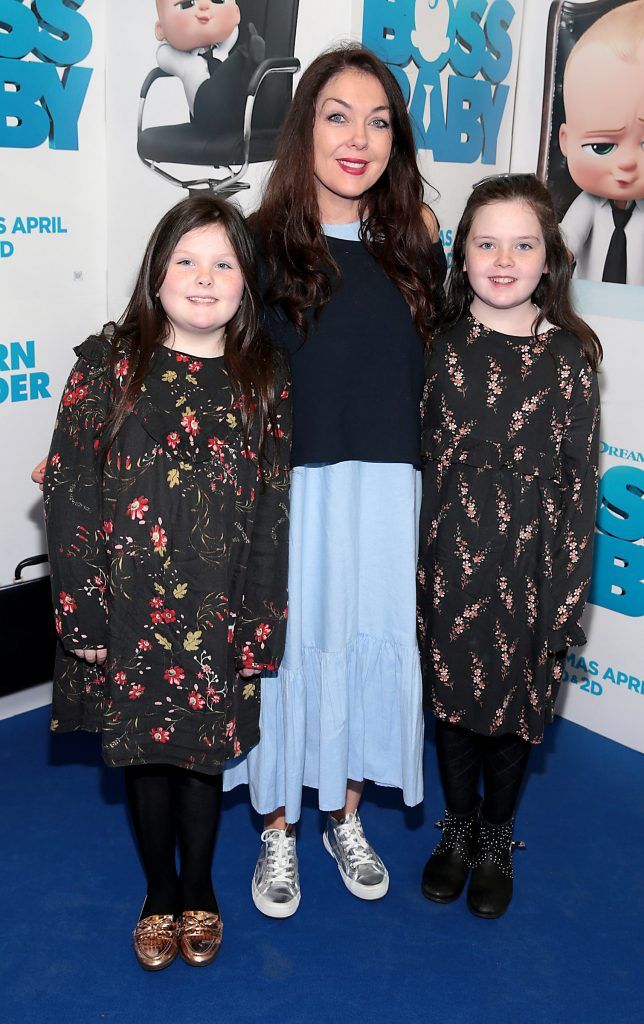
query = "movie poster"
x=591 y=151
x=456 y=62
x=579 y=121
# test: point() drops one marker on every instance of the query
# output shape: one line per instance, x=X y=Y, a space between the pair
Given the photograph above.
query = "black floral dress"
x=510 y=444
x=169 y=553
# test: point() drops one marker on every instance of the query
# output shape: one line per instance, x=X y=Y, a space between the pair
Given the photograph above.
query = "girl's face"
x=202 y=291
x=352 y=140
x=505 y=256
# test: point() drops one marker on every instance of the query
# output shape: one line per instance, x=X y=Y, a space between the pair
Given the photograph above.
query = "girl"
x=510 y=440
x=351 y=268
x=166 y=503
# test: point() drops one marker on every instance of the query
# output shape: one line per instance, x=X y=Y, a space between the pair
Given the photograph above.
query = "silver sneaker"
x=362 y=871
x=276 y=884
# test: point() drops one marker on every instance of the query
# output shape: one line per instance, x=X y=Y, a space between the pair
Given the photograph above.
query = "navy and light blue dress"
x=347 y=700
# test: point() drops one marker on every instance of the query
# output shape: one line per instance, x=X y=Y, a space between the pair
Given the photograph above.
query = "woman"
x=351 y=264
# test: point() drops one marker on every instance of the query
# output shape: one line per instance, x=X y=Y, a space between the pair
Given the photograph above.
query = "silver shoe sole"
x=363 y=892
x=270 y=909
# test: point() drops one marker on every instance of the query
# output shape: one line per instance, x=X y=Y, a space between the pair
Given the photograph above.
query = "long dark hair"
x=394 y=231
x=248 y=356
x=552 y=294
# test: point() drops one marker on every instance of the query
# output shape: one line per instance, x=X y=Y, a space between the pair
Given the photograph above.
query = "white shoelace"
x=354 y=843
x=280 y=862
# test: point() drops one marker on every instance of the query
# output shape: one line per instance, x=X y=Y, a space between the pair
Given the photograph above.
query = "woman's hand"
x=97 y=655
x=38 y=474
x=246 y=673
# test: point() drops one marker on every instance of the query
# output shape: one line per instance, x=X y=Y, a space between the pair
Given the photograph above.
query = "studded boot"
x=447 y=869
x=490 y=889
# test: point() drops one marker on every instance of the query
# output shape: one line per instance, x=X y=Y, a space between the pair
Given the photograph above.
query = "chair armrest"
x=152 y=77
x=289 y=65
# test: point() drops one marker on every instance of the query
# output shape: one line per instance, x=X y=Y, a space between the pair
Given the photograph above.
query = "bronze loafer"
x=156 y=941
x=199 y=936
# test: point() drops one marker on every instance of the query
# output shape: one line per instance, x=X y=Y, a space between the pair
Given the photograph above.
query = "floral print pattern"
x=170 y=552
x=510 y=445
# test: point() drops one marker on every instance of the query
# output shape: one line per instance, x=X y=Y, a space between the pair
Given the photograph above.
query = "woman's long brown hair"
x=300 y=265
x=249 y=358
x=552 y=295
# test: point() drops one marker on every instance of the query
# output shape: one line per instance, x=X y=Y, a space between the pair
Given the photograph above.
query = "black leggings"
x=171 y=806
x=461 y=757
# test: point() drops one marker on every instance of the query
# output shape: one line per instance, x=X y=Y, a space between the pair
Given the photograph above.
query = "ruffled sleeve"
x=572 y=560
x=72 y=493
x=261 y=626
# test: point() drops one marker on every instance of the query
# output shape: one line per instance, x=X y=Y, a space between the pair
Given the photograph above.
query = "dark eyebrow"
x=519 y=238
x=343 y=103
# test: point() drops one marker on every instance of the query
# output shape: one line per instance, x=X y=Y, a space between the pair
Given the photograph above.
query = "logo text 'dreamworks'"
x=451 y=58
x=20 y=380
x=42 y=88
x=618 y=562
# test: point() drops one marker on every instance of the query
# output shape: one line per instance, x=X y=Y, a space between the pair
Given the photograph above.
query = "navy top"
x=358 y=377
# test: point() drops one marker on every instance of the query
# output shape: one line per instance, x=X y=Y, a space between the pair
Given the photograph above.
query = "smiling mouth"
x=354 y=166
x=503 y=280
x=205 y=300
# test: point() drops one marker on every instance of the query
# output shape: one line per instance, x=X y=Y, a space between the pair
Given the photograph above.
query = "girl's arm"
x=261 y=626
x=72 y=488
x=573 y=555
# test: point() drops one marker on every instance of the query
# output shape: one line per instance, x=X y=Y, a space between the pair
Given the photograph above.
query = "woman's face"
x=352 y=140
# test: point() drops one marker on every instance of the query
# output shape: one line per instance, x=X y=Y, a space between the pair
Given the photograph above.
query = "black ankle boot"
x=490 y=889
x=447 y=869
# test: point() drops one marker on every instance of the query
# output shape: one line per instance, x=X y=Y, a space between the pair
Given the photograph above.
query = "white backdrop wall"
x=477 y=109
x=53 y=258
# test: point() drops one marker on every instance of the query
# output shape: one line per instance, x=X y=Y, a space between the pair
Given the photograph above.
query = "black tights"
x=461 y=756
x=171 y=805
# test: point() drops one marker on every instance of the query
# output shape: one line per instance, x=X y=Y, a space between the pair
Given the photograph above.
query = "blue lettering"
x=19 y=387
x=387 y=29
x=39 y=386
x=497 y=58
x=23 y=356
x=56 y=119
x=456 y=117
x=6 y=249
x=65 y=37
x=468 y=52
x=620 y=503
x=20 y=29
x=618 y=576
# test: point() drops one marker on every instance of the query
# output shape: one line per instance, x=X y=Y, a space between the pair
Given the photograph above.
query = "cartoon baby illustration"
x=431 y=36
x=198 y=45
x=602 y=139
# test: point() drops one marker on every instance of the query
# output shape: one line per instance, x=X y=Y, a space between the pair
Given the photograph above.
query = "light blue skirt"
x=347 y=700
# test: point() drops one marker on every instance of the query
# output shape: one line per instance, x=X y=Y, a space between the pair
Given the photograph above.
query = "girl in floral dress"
x=510 y=443
x=166 y=498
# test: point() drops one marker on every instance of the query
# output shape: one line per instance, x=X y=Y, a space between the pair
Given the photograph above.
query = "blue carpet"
x=569 y=949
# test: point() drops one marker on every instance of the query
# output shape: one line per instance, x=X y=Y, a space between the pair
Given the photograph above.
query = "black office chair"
x=268 y=98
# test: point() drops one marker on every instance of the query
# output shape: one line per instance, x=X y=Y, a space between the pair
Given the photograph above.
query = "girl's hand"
x=38 y=474
x=246 y=673
x=97 y=655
